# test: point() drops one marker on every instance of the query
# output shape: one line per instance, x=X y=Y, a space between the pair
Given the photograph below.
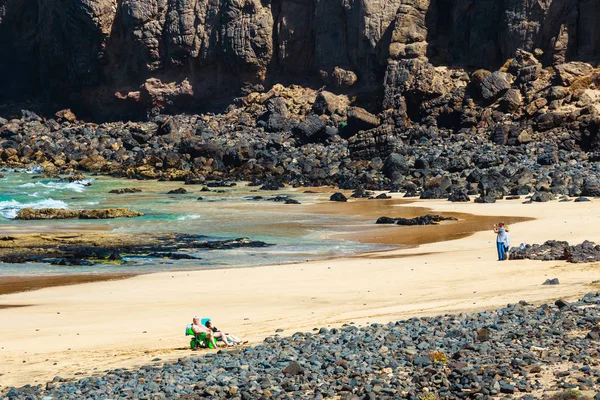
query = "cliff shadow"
x=19 y=73
x=464 y=34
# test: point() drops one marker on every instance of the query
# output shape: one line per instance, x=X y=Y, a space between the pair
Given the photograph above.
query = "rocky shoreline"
x=521 y=350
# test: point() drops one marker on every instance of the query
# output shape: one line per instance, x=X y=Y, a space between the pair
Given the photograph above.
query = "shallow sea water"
x=295 y=235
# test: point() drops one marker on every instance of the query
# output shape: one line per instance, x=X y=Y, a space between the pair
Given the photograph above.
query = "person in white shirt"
x=502 y=241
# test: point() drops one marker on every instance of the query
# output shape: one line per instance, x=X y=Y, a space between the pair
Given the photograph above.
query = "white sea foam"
x=10 y=208
x=188 y=217
x=77 y=186
x=31 y=170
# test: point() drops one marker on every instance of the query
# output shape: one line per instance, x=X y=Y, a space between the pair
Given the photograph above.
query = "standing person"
x=506 y=242
x=501 y=231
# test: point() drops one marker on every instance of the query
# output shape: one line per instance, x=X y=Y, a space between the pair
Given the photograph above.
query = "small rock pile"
x=429 y=219
x=522 y=350
x=558 y=250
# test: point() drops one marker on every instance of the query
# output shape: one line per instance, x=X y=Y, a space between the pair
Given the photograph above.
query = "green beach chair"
x=198 y=339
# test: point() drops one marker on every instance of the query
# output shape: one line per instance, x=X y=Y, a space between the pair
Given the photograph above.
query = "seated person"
x=231 y=339
x=198 y=328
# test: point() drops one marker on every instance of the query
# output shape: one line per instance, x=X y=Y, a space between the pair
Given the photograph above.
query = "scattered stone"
x=177 y=191
x=484 y=334
x=553 y=281
x=125 y=190
x=581 y=199
x=338 y=197
x=293 y=369
x=542 y=197
x=560 y=303
x=485 y=199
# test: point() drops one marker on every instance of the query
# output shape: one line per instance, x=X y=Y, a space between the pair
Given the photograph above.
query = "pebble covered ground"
x=520 y=351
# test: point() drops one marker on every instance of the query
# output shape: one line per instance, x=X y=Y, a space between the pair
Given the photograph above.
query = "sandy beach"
x=86 y=328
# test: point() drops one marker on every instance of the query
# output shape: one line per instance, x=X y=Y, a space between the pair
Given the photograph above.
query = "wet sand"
x=368 y=211
x=25 y=283
x=361 y=227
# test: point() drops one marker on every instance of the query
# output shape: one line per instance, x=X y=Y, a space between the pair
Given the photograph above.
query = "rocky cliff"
x=118 y=57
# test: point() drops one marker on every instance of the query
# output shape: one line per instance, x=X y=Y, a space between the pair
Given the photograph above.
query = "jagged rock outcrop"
x=121 y=57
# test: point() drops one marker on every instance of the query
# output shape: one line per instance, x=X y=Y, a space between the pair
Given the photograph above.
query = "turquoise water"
x=295 y=235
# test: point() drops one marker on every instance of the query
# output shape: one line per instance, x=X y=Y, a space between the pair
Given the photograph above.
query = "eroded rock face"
x=131 y=55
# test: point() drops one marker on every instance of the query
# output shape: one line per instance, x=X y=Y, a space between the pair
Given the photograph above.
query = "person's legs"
x=500 y=247
x=223 y=337
x=506 y=252
x=235 y=339
x=211 y=337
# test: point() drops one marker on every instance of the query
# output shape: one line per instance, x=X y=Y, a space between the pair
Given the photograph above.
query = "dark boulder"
x=495 y=84
x=554 y=281
x=560 y=303
x=311 y=130
x=395 y=167
x=582 y=253
x=338 y=197
x=435 y=193
x=459 y=196
x=485 y=199
x=385 y=220
x=359 y=119
x=177 y=191
x=542 y=197
x=591 y=187
x=272 y=184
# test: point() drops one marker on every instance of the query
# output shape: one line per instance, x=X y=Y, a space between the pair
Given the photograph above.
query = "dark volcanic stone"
x=293 y=369
x=395 y=167
x=560 y=303
x=428 y=219
x=383 y=196
x=125 y=190
x=485 y=199
x=435 y=193
x=177 y=191
x=506 y=388
x=542 y=197
x=359 y=119
x=272 y=185
x=553 y=281
x=386 y=220
x=459 y=196
x=338 y=197
x=311 y=130
x=484 y=334
x=581 y=200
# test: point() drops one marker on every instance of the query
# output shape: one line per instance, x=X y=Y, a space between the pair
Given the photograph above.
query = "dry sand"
x=88 y=328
